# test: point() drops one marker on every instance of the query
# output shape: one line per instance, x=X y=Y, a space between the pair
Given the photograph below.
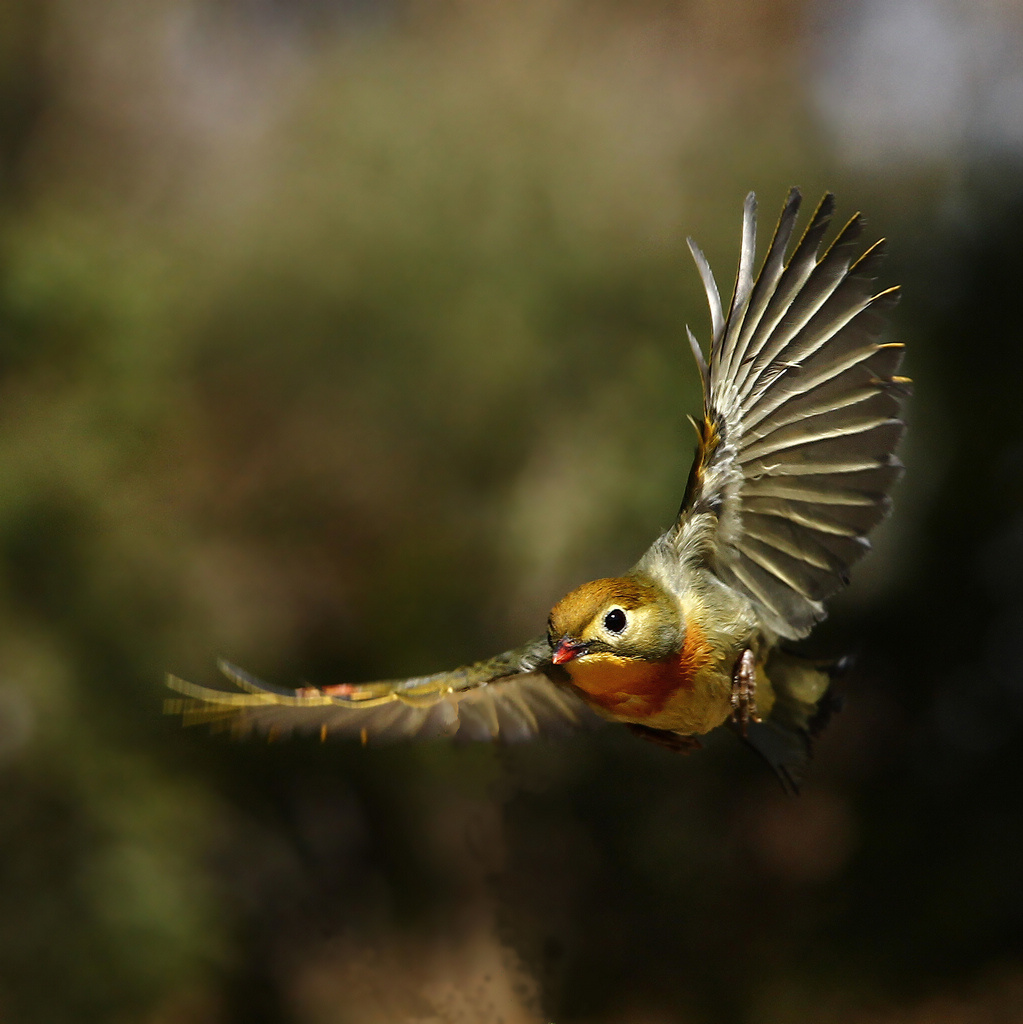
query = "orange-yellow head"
x=613 y=619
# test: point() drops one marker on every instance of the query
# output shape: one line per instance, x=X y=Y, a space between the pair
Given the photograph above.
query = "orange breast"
x=635 y=689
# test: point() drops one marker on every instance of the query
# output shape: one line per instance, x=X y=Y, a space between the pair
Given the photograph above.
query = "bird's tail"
x=805 y=699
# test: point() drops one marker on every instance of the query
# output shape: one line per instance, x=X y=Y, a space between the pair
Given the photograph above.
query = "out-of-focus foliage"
x=340 y=339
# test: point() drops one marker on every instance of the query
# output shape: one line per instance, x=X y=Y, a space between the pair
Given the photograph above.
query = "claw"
x=744 y=692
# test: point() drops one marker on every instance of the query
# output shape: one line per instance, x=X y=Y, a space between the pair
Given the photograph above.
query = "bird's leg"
x=666 y=738
x=744 y=692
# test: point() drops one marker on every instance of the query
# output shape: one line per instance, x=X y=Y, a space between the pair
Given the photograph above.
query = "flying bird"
x=793 y=465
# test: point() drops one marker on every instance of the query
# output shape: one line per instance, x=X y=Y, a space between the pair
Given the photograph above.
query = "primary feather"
x=801 y=419
x=506 y=697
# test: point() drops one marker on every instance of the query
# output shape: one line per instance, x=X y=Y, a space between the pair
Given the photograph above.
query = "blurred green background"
x=340 y=338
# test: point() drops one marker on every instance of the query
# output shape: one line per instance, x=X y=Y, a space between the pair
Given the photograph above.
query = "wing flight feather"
x=801 y=417
x=508 y=697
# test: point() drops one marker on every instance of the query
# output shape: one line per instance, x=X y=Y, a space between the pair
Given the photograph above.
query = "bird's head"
x=613 y=619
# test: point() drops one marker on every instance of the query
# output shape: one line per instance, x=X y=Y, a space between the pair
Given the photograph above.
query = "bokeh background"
x=340 y=338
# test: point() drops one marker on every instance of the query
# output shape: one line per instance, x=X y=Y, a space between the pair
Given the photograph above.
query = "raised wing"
x=507 y=697
x=801 y=417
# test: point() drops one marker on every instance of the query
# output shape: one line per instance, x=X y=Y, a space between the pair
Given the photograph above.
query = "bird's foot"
x=744 y=692
x=675 y=741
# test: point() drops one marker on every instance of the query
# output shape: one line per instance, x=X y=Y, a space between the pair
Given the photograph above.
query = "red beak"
x=567 y=649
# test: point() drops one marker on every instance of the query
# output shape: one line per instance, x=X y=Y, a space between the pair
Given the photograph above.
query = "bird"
x=794 y=462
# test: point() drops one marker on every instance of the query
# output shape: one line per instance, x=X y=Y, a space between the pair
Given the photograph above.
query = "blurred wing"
x=801 y=418
x=507 y=697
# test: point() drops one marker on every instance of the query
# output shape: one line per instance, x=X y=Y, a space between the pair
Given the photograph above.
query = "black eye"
x=614 y=621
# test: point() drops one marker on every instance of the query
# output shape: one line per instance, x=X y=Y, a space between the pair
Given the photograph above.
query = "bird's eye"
x=614 y=621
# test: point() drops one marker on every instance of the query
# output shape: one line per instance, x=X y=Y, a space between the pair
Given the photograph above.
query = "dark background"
x=341 y=339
